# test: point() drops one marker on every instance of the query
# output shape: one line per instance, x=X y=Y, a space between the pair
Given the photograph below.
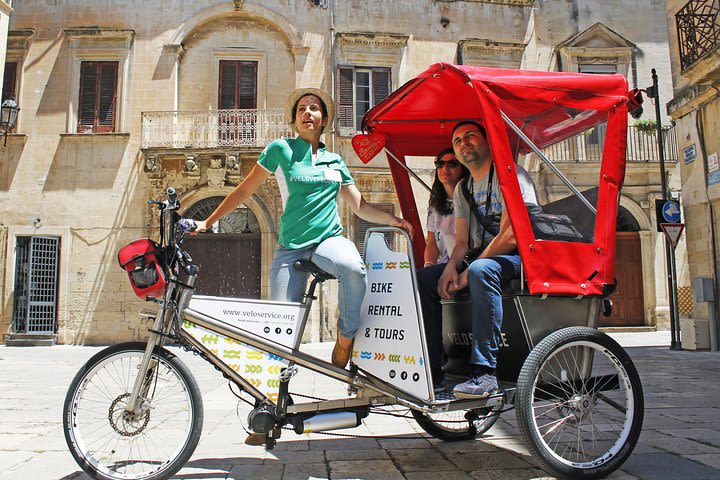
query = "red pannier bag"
x=139 y=260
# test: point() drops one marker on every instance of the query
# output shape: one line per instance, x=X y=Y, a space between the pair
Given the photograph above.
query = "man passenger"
x=490 y=233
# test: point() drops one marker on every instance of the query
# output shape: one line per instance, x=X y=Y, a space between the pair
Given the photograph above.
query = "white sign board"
x=390 y=343
x=713 y=163
x=672 y=232
x=275 y=321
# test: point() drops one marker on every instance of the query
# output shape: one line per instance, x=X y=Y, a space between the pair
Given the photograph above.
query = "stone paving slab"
x=681 y=431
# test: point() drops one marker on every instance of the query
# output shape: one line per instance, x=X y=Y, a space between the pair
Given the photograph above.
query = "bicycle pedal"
x=287 y=373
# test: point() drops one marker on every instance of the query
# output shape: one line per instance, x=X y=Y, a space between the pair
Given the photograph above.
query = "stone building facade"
x=693 y=28
x=122 y=102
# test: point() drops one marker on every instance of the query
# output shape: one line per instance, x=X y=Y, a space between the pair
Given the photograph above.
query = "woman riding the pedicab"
x=440 y=240
x=310 y=179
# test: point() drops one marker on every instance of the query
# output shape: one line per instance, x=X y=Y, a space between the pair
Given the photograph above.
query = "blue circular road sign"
x=671 y=211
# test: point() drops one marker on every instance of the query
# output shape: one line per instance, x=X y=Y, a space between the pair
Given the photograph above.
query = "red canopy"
x=417 y=119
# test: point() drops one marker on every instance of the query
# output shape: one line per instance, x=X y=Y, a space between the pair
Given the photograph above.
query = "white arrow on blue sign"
x=671 y=211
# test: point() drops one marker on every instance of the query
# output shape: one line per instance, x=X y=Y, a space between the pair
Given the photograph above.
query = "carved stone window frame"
x=89 y=44
x=575 y=51
x=490 y=53
x=248 y=55
x=371 y=49
x=18 y=44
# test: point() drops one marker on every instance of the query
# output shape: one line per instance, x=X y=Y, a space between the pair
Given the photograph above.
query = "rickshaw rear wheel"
x=458 y=425
x=579 y=403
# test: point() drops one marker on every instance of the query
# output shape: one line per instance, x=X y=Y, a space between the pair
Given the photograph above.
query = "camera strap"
x=470 y=198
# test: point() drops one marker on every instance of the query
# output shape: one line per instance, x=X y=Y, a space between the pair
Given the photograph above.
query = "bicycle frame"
x=370 y=390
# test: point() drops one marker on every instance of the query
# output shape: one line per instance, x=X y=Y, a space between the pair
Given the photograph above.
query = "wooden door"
x=229 y=264
x=628 y=305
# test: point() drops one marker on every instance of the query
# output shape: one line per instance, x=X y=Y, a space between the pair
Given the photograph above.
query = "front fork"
x=157 y=335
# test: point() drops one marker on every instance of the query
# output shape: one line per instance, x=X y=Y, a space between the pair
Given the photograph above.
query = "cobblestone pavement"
x=680 y=438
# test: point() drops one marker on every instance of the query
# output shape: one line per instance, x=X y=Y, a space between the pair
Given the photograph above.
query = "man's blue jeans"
x=337 y=256
x=486 y=278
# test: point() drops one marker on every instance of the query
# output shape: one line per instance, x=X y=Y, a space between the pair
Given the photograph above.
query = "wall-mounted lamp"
x=444 y=21
x=8 y=117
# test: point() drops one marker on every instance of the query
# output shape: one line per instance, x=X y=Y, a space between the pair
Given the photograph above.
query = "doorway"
x=229 y=254
x=628 y=308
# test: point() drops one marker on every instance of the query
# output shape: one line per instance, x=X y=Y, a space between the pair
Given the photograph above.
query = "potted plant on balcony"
x=646 y=126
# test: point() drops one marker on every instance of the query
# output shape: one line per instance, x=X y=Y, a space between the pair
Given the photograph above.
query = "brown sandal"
x=340 y=355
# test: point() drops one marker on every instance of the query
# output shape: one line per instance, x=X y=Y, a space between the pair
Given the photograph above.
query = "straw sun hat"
x=298 y=93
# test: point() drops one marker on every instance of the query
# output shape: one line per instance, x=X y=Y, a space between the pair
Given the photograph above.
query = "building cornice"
x=100 y=34
x=388 y=40
x=19 y=39
x=5 y=7
x=485 y=46
x=690 y=99
x=520 y=3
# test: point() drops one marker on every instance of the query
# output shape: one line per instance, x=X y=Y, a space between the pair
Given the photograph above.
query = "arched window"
x=241 y=220
x=626 y=221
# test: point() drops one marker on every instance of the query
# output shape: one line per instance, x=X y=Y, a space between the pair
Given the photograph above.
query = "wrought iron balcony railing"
x=213 y=128
x=698 y=30
x=641 y=146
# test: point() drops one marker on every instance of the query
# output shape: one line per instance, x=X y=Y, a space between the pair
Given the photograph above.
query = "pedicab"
x=135 y=411
x=577 y=395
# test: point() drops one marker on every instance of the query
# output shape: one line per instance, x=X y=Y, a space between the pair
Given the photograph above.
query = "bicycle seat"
x=310 y=267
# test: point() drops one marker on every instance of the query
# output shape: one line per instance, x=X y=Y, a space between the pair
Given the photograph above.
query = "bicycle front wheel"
x=111 y=443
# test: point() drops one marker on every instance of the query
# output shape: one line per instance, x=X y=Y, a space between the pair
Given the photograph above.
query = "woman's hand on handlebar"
x=200 y=226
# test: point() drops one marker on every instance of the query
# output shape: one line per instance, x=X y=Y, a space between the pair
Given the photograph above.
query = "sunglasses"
x=450 y=163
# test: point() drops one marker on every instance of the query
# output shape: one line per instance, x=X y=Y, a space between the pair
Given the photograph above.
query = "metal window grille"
x=698 y=30
x=36 y=282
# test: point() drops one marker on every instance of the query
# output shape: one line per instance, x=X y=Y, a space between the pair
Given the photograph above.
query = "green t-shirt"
x=309 y=191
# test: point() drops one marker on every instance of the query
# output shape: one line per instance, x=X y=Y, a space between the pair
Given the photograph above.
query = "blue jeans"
x=337 y=256
x=486 y=278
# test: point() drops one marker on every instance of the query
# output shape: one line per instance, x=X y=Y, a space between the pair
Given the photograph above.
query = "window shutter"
x=228 y=82
x=247 y=85
x=9 y=81
x=88 y=93
x=381 y=85
x=98 y=97
x=363 y=225
x=345 y=110
x=107 y=96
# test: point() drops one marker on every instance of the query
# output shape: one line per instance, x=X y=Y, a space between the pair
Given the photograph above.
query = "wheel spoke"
x=579 y=405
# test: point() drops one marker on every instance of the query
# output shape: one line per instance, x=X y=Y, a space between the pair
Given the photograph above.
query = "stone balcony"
x=212 y=129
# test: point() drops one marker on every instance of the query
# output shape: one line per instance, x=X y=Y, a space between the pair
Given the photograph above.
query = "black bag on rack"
x=550 y=226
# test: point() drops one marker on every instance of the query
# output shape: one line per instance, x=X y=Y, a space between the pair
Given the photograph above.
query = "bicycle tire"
x=109 y=445
x=579 y=403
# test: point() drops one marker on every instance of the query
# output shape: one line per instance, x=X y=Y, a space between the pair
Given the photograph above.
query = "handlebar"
x=171 y=202
x=187 y=225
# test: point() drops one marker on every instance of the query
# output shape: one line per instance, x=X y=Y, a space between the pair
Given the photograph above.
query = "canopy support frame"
x=547 y=162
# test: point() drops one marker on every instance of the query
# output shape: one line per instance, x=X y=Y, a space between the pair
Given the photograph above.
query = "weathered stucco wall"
x=92 y=189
